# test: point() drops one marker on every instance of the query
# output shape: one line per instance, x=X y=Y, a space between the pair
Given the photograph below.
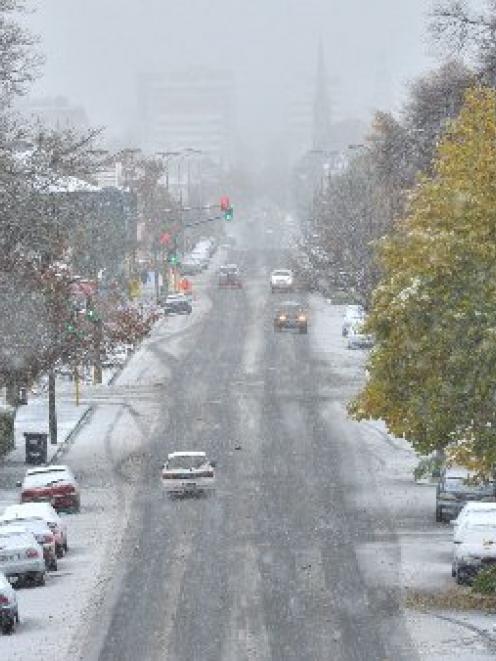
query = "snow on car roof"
x=186 y=454
x=47 y=469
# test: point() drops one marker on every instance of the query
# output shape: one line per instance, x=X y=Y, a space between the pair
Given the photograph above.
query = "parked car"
x=281 y=280
x=474 y=549
x=43 y=535
x=188 y=473
x=54 y=484
x=21 y=557
x=229 y=276
x=457 y=486
x=354 y=314
x=358 y=338
x=291 y=315
x=177 y=304
x=9 y=609
x=44 y=511
x=190 y=266
x=475 y=511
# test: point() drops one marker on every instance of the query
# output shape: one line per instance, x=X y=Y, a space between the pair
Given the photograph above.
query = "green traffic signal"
x=91 y=315
x=229 y=214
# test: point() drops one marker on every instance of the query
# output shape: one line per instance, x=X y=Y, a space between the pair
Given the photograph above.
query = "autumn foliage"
x=432 y=373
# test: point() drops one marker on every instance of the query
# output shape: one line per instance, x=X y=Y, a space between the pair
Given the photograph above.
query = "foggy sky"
x=96 y=48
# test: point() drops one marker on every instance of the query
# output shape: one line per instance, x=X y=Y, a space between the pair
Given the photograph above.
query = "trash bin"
x=36 y=447
x=23 y=396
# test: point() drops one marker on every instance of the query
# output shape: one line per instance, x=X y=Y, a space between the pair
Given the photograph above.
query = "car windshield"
x=466 y=485
x=186 y=462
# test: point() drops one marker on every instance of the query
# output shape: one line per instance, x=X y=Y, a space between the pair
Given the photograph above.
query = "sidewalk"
x=33 y=417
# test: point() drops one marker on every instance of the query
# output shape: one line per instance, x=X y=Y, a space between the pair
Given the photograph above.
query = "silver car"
x=21 y=557
x=188 y=473
x=43 y=535
x=9 y=610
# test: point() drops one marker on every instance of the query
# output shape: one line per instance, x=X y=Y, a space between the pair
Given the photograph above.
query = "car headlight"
x=282 y=317
x=302 y=317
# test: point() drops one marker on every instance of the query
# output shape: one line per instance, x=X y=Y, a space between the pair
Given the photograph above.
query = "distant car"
x=45 y=512
x=188 y=473
x=229 y=276
x=201 y=255
x=21 y=557
x=474 y=549
x=9 y=609
x=43 y=535
x=190 y=266
x=291 y=315
x=456 y=487
x=281 y=280
x=54 y=484
x=358 y=338
x=177 y=304
x=354 y=314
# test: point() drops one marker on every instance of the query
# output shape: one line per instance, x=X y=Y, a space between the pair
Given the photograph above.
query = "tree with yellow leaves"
x=433 y=370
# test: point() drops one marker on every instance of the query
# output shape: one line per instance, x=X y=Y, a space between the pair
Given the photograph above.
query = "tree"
x=18 y=60
x=360 y=205
x=457 y=27
x=434 y=311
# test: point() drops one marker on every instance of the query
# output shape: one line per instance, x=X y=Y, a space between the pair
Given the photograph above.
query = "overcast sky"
x=95 y=48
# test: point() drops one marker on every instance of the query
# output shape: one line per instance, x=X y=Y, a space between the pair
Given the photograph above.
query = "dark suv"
x=456 y=487
x=177 y=304
x=229 y=276
x=291 y=315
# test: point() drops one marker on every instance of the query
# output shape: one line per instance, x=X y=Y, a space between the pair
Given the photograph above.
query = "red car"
x=54 y=484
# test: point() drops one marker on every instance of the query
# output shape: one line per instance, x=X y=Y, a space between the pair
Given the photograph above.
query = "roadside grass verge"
x=459 y=598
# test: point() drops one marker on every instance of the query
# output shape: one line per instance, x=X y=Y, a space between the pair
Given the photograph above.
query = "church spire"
x=321 y=108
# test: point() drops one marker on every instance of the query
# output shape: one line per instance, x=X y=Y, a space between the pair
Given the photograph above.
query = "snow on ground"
x=425 y=547
x=53 y=618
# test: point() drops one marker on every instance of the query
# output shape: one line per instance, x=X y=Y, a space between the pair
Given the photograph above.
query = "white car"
x=474 y=549
x=354 y=314
x=358 y=338
x=188 y=473
x=21 y=557
x=44 y=511
x=43 y=535
x=474 y=510
x=281 y=280
x=9 y=610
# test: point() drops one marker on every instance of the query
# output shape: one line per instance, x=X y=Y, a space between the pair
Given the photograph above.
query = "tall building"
x=321 y=130
x=188 y=110
x=55 y=113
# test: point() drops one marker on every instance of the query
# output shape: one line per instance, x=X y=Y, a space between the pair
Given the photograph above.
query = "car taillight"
x=3 y=599
x=47 y=539
x=32 y=553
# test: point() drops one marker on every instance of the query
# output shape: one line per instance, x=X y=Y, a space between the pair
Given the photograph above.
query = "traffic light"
x=229 y=213
x=173 y=259
x=224 y=203
x=92 y=315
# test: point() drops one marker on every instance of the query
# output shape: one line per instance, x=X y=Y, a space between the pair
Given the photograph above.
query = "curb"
x=71 y=436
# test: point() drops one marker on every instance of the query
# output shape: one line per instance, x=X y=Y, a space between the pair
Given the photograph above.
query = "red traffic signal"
x=165 y=239
x=225 y=203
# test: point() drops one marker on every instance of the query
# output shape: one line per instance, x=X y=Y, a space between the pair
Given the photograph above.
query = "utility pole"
x=52 y=409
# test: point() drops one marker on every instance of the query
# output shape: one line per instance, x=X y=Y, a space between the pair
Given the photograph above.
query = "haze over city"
x=95 y=50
